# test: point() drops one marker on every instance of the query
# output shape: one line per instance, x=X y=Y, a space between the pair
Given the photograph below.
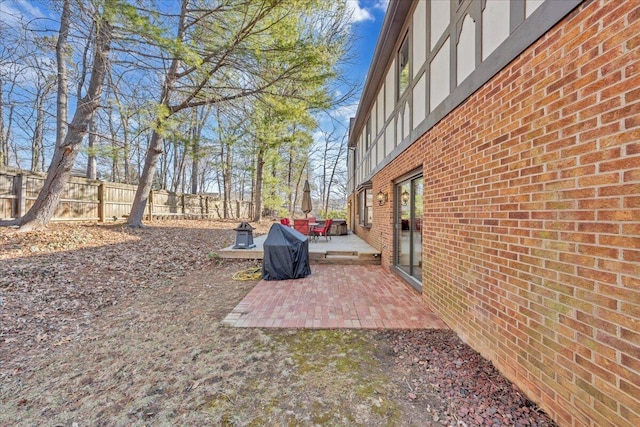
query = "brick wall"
x=531 y=240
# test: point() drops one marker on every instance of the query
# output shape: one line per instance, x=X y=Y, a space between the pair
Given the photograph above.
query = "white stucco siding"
x=419 y=101
x=406 y=121
x=374 y=121
x=380 y=149
x=440 y=17
x=398 y=122
x=380 y=104
x=390 y=138
x=495 y=25
x=531 y=5
x=440 y=79
x=466 y=55
x=390 y=90
x=419 y=38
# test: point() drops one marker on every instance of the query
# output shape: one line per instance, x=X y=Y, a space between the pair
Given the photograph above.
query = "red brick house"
x=495 y=162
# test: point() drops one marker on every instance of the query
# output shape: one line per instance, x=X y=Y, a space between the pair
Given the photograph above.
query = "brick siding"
x=531 y=231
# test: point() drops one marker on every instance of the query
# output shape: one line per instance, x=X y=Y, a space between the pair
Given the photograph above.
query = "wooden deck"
x=347 y=249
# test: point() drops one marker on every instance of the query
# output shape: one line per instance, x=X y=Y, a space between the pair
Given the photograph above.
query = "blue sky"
x=366 y=18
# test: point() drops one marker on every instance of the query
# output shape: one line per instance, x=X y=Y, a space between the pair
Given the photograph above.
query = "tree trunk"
x=155 y=145
x=257 y=199
x=164 y=163
x=65 y=153
x=195 y=163
x=115 y=169
x=179 y=166
x=126 y=152
x=8 y=135
x=37 y=152
x=146 y=180
x=297 y=189
x=4 y=144
x=62 y=103
x=200 y=115
x=332 y=175
x=226 y=179
x=92 y=163
x=289 y=178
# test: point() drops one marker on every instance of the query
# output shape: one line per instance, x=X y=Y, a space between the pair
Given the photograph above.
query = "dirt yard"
x=102 y=325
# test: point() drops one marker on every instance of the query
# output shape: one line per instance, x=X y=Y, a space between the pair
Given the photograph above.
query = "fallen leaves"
x=54 y=282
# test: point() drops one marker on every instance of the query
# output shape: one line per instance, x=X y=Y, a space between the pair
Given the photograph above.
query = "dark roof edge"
x=392 y=25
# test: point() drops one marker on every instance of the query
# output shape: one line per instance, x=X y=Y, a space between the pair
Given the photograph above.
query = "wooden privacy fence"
x=88 y=200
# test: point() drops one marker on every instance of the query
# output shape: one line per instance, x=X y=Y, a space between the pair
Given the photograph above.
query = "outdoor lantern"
x=405 y=197
x=244 y=236
x=382 y=198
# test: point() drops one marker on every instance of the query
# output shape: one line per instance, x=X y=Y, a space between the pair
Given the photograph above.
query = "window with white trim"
x=365 y=203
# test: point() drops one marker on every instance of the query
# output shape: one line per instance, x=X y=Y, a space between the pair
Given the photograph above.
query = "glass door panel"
x=416 y=229
x=403 y=242
x=408 y=226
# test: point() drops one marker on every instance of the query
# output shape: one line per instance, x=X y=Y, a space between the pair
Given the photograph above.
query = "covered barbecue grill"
x=286 y=254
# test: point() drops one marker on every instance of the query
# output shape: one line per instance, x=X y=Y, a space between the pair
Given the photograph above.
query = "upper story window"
x=403 y=67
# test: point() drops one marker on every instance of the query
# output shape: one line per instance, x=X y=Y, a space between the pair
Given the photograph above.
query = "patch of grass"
x=352 y=386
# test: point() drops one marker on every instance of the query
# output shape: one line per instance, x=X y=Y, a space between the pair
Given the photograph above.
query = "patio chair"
x=323 y=231
x=301 y=225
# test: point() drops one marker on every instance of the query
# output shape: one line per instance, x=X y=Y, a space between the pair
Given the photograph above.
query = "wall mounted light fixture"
x=382 y=198
x=405 y=197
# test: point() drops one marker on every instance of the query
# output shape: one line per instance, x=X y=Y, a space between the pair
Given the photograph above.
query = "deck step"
x=344 y=257
x=342 y=253
x=345 y=250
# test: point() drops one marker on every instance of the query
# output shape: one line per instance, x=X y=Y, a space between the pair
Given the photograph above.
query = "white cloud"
x=345 y=112
x=382 y=5
x=358 y=13
x=14 y=11
x=318 y=136
x=10 y=14
x=30 y=9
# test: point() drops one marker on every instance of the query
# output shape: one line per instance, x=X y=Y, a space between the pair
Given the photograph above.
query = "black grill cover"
x=286 y=254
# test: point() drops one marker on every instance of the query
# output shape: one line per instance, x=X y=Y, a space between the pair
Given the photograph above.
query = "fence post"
x=22 y=194
x=101 y=202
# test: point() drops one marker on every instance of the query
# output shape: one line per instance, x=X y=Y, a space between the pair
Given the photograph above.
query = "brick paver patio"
x=335 y=296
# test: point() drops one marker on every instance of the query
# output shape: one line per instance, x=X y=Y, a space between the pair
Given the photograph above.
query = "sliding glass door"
x=408 y=229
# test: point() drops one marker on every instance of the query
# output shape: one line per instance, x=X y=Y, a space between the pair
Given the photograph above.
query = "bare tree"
x=66 y=152
x=200 y=115
x=8 y=78
x=63 y=89
x=92 y=161
x=37 y=149
x=222 y=70
x=4 y=144
x=93 y=123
